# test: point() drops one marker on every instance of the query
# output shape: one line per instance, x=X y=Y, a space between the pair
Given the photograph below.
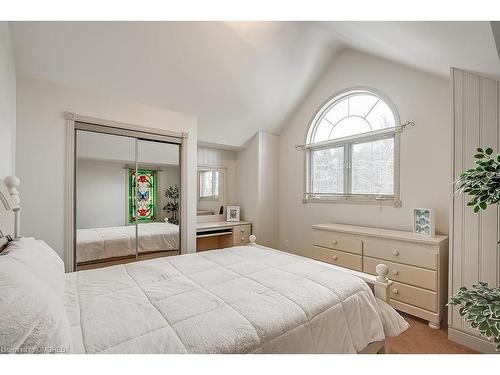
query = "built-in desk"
x=221 y=234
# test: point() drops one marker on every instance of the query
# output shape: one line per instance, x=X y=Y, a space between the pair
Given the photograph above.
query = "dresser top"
x=382 y=233
x=220 y=224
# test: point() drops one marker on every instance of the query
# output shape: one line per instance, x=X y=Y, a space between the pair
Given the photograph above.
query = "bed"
x=244 y=299
x=111 y=242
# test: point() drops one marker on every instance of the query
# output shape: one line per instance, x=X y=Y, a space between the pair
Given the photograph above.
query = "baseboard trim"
x=470 y=341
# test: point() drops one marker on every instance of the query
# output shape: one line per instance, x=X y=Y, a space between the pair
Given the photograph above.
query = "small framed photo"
x=233 y=213
x=424 y=221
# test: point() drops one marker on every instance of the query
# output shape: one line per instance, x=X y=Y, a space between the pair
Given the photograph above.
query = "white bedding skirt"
x=103 y=243
x=237 y=300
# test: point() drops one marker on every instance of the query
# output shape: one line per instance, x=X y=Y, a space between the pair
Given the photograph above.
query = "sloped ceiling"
x=429 y=46
x=495 y=26
x=236 y=77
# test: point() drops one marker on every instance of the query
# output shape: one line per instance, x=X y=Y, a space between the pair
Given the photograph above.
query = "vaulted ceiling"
x=236 y=77
x=428 y=46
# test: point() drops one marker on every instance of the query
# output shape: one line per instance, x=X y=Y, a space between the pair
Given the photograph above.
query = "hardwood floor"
x=420 y=339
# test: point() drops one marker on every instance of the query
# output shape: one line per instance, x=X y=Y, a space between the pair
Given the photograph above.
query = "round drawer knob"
x=395 y=272
x=335 y=242
x=395 y=291
x=335 y=257
x=242 y=238
x=395 y=253
x=242 y=230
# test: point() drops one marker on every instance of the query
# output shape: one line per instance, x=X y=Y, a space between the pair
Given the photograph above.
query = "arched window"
x=353 y=148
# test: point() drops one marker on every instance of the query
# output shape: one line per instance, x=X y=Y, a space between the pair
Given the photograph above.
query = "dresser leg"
x=434 y=325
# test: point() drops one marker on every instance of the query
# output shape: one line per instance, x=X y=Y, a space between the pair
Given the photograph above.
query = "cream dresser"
x=418 y=265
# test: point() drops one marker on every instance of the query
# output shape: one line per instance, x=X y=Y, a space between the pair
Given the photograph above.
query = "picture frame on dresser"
x=424 y=221
x=233 y=213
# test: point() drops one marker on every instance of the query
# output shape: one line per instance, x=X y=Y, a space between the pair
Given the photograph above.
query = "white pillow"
x=39 y=259
x=32 y=316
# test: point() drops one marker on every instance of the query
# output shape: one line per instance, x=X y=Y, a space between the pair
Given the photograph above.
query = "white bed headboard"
x=9 y=201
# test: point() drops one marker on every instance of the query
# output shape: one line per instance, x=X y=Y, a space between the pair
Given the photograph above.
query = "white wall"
x=474 y=253
x=425 y=150
x=252 y=183
x=7 y=103
x=101 y=194
x=247 y=177
x=267 y=214
x=41 y=152
x=257 y=186
x=7 y=114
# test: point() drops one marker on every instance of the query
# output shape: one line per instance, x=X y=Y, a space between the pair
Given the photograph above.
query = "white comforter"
x=236 y=300
x=102 y=243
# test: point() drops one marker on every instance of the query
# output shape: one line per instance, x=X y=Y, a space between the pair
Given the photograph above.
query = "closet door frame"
x=76 y=122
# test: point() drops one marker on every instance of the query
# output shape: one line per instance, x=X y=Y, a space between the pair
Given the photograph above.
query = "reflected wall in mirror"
x=126 y=198
x=211 y=191
x=101 y=179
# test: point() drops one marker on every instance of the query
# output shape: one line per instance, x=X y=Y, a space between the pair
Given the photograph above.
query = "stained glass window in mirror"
x=143 y=186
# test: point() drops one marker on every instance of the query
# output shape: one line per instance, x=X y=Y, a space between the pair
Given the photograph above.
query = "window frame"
x=347 y=143
x=208 y=197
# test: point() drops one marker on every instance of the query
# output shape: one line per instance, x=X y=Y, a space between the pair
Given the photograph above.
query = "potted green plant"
x=172 y=206
x=480 y=305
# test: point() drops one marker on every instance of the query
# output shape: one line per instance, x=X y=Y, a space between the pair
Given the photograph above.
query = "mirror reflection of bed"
x=127 y=199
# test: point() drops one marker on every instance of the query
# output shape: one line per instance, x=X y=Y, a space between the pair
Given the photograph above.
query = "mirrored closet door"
x=127 y=198
x=156 y=187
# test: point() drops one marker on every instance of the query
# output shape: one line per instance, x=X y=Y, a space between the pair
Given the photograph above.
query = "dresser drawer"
x=420 y=277
x=241 y=233
x=337 y=241
x=414 y=254
x=339 y=258
x=412 y=295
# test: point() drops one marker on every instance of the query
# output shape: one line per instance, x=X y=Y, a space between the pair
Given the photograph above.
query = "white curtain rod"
x=399 y=128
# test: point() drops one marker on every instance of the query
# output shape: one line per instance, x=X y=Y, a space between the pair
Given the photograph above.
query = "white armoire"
x=474 y=254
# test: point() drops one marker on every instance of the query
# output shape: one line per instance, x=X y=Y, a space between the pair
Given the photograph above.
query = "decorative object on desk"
x=480 y=305
x=233 y=213
x=172 y=206
x=423 y=221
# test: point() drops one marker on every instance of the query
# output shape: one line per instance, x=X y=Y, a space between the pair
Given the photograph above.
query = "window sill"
x=352 y=199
